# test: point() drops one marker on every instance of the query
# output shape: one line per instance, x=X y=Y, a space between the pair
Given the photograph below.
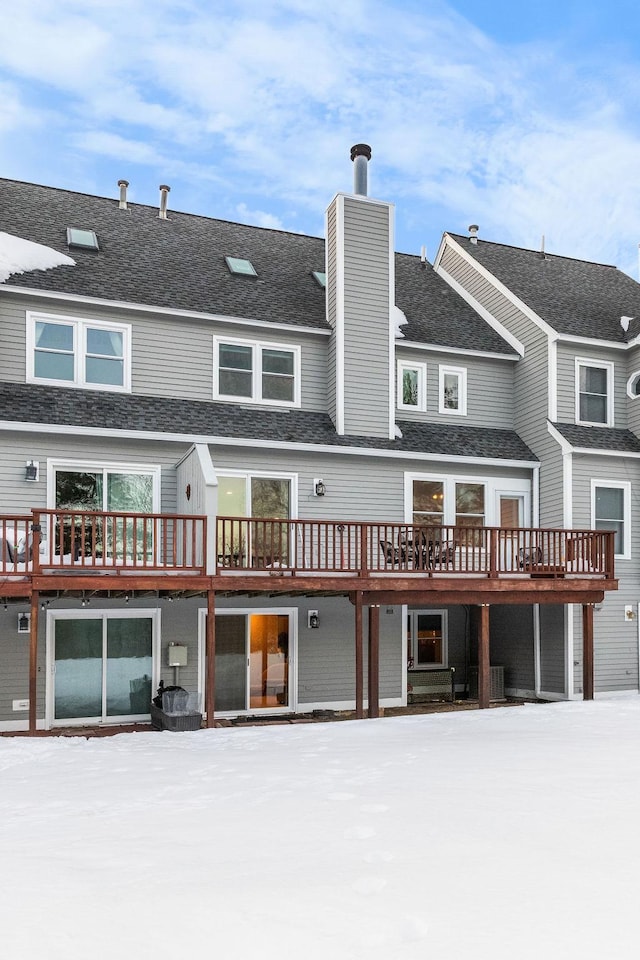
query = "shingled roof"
x=612 y=439
x=179 y=264
x=574 y=297
x=32 y=403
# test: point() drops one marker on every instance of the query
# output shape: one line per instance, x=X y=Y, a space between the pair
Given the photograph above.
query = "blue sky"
x=521 y=118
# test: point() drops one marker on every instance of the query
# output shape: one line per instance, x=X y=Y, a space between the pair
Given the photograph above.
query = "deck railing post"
x=493 y=553
x=36 y=530
x=364 y=565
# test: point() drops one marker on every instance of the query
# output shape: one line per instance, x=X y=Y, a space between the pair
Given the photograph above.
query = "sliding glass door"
x=101 y=666
x=253 y=661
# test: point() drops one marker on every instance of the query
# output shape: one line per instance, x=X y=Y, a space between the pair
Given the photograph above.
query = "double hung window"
x=82 y=353
x=594 y=393
x=257 y=372
x=610 y=510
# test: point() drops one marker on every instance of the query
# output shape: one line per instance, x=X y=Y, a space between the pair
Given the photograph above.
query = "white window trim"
x=493 y=486
x=257 y=346
x=624 y=485
x=599 y=365
x=421 y=369
x=80 y=466
x=444 y=615
x=123 y=613
x=461 y=374
x=247 y=475
x=633 y=379
x=80 y=325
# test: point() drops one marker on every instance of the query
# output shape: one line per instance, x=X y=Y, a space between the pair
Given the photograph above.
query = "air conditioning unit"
x=497 y=683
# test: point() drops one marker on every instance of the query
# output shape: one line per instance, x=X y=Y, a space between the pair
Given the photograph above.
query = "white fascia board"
x=457 y=351
x=500 y=287
x=164 y=311
x=151 y=436
x=563 y=443
x=392 y=336
x=339 y=328
x=595 y=342
x=552 y=380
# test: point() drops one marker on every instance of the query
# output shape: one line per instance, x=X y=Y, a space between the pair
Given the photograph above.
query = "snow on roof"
x=20 y=256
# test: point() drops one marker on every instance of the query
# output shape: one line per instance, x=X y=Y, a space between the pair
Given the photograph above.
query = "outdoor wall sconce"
x=24 y=622
x=319 y=488
x=313 y=620
x=32 y=470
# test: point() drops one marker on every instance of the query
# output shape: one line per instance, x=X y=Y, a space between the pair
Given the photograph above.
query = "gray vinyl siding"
x=18 y=496
x=358 y=488
x=633 y=405
x=367 y=362
x=171 y=356
x=567 y=386
x=14 y=666
x=490 y=385
x=512 y=646
x=615 y=637
x=531 y=381
x=552 y=644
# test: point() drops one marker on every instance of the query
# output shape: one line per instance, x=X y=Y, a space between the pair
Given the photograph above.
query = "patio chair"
x=390 y=552
x=529 y=557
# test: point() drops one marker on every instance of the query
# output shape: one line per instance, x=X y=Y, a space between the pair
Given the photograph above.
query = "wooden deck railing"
x=83 y=541
x=72 y=540
x=364 y=549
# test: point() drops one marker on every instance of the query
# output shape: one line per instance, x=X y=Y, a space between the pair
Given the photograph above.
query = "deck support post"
x=587 y=651
x=33 y=662
x=210 y=646
x=359 y=656
x=484 y=660
x=374 y=661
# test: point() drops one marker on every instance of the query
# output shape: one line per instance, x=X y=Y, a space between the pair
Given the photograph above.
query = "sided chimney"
x=122 y=203
x=360 y=154
x=164 y=199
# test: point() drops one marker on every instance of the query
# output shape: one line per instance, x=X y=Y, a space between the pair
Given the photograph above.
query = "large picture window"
x=82 y=353
x=257 y=372
x=437 y=502
x=594 y=392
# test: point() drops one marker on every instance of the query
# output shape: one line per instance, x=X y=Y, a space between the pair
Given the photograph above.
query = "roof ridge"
x=547 y=255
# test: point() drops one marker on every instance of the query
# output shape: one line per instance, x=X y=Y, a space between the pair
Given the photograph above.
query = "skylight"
x=237 y=265
x=320 y=277
x=82 y=238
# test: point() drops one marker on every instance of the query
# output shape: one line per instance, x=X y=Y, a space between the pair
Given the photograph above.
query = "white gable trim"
x=513 y=342
x=499 y=286
x=457 y=351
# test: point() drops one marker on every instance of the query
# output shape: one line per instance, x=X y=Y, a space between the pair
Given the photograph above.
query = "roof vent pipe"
x=122 y=203
x=360 y=154
x=473 y=232
x=164 y=197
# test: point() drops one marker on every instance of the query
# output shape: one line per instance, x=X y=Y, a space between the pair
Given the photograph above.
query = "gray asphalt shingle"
x=599 y=438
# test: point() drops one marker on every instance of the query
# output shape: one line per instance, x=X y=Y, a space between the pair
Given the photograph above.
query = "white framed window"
x=449 y=501
x=73 y=352
x=611 y=510
x=452 y=390
x=633 y=385
x=427 y=646
x=256 y=372
x=412 y=386
x=594 y=392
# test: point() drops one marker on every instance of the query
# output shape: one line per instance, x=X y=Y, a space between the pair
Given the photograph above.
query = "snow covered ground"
x=488 y=834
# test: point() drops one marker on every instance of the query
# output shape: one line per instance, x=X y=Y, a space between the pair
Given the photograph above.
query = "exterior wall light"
x=319 y=488
x=32 y=470
x=313 y=620
x=24 y=622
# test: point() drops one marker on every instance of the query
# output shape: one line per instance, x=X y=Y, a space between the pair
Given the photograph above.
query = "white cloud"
x=257 y=103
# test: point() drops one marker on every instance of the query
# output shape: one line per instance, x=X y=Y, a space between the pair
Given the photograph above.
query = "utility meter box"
x=176 y=655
